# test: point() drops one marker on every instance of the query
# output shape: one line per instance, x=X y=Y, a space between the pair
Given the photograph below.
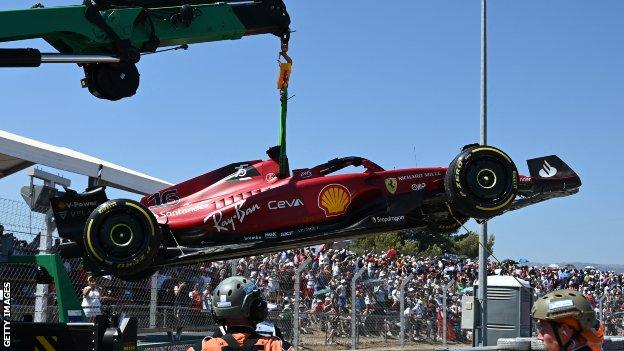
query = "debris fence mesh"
x=330 y=313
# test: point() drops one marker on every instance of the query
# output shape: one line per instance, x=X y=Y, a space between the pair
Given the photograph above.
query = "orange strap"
x=285 y=71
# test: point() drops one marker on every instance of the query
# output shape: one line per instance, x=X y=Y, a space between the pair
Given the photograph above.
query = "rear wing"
x=72 y=209
x=550 y=173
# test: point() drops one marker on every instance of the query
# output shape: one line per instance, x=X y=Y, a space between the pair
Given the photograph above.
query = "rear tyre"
x=481 y=182
x=122 y=237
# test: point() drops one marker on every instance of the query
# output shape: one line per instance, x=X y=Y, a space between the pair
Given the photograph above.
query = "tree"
x=383 y=242
x=422 y=243
x=432 y=251
x=427 y=238
x=468 y=244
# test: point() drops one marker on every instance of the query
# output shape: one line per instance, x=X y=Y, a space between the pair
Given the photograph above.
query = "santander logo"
x=547 y=170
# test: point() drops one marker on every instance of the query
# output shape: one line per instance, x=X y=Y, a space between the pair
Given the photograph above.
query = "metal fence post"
x=600 y=311
x=444 y=311
x=153 y=300
x=402 y=308
x=353 y=308
x=233 y=266
x=297 y=291
x=45 y=244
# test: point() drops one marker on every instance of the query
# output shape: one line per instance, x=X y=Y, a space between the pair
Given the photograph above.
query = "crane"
x=108 y=37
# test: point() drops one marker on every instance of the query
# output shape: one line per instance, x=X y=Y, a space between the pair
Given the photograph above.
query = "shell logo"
x=334 y=199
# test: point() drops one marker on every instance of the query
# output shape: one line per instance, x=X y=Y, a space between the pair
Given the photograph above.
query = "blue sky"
x=393 y=81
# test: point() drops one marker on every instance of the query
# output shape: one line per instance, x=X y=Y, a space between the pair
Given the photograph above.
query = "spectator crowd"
x=183 y=293
x=326 y=283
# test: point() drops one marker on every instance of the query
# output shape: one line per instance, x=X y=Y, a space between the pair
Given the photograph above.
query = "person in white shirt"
x=336 y=269
x=91 y=295
x=207 y=299
x=310 y=286
x=273 y=285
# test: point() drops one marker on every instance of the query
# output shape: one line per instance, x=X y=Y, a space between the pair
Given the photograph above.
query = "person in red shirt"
x=196 y=298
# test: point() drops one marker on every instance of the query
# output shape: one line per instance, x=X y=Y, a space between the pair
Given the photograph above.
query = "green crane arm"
x=69 y=31
x=107 y=37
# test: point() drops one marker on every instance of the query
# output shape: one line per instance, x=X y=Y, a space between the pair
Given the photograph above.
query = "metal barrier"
x=528 y=344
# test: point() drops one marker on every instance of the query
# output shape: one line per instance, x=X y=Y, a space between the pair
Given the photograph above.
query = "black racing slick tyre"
x=122 y=237
x=481 y=182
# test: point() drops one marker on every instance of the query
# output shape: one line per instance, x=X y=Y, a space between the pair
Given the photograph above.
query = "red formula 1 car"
x=245 y=208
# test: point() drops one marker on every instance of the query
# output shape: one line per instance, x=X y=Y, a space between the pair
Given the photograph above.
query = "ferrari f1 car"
x=245 y=208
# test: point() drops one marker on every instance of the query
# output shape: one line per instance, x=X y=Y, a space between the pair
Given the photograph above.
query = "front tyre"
x=481 y=182
x=122 y=237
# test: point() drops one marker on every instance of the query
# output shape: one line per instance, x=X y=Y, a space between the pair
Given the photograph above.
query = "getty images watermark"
x=5 y=299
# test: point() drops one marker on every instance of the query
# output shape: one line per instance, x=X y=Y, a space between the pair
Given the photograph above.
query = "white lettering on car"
x=182 y=211
x=418 y=186
x=82 y=204
x=239 y=216
x=252 y=238
x=420 y=175
x=392 y=219
x=241 y=171
x=280 y=204
x=411 y=176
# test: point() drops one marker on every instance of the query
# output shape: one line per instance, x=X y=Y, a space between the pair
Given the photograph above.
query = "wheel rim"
x=121 y=235
x=488 y=180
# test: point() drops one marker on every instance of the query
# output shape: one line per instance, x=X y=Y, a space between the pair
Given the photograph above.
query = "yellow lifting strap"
x=285 y=71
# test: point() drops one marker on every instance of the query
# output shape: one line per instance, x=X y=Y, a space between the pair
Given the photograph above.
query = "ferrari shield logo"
x=391 y=185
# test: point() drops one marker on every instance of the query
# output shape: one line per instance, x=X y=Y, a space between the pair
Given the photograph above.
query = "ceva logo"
x=276 y=205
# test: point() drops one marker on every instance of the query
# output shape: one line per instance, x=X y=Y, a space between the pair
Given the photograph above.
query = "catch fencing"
x=611 y=314
x=354 y=308
x=346 y=304
x=312 y=305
